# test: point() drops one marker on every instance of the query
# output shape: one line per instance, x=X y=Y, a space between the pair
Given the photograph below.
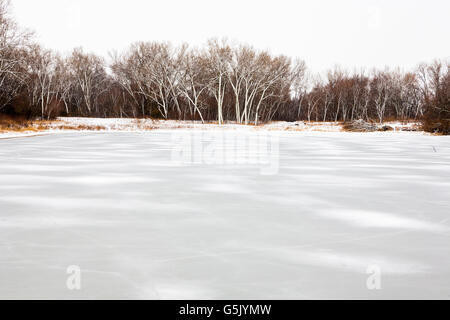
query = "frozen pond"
x=142 y=223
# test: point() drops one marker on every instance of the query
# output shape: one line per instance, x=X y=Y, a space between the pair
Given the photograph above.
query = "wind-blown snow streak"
x=367 y=219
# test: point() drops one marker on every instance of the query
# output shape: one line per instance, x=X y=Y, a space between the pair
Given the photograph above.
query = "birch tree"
x=218 y=59
x=192 y=82
x=42 y=79
x=382 y=93
x=89 y=75
x=274 y=71
x=299 y=85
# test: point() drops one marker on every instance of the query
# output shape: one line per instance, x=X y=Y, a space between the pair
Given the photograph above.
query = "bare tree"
x=299 y=85
x=218 y=59
x=192 y=82
x=13 y=45
x=382 y=82
x=42 y=82
x=273 y=72
x=89 y=75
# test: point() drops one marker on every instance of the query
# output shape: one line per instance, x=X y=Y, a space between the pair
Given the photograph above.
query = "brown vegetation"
x=82 y=127
x=359 y=126
x=16 y=124
x=436 y=99
x=20 y=124
x=385 y=128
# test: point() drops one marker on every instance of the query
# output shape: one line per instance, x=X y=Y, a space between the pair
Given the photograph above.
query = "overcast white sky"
x=352 y=33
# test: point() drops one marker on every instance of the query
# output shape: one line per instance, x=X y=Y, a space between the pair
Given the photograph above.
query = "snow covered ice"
x=141 y=226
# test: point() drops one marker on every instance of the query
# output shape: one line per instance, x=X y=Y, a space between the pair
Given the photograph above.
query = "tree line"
x=220 y=82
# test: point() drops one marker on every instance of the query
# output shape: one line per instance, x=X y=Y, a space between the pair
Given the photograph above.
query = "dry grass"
x=313 y=126
x=142 y=124
x=81 y=127
x=8 y=124
x=359 y=126
x=17 y=124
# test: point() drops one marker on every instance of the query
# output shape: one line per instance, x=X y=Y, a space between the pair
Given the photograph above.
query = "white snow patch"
x=367 y=219
x=353 y=262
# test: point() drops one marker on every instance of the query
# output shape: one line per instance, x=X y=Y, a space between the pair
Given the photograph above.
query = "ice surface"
x=142 y=226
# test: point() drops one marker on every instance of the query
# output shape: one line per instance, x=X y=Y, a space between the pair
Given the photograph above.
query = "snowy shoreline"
x=75 y=124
